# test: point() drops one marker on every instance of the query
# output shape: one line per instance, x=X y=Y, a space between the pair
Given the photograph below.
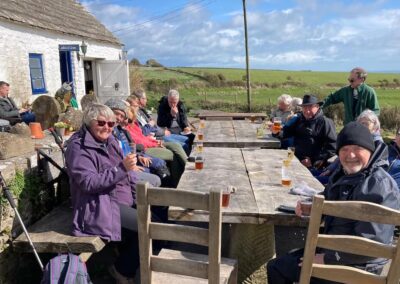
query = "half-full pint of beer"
x=286 y=174
x=199 y=163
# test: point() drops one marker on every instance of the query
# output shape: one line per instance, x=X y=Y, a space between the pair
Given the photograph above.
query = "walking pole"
x=7 y=193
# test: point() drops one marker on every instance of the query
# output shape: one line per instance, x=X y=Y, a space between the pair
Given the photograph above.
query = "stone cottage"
x=44 y=43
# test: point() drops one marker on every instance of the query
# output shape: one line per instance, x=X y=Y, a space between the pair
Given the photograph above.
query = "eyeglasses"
x=102 y=123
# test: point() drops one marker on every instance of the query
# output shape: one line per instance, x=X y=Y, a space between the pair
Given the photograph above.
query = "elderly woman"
x=102 y=188
x=394 y=158
x=284 y=109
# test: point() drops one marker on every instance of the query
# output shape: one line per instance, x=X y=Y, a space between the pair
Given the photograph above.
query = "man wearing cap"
x=359 y=177
x=314 y=135
x=356 y=97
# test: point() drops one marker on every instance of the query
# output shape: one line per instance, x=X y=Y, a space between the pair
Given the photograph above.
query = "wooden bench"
x=52 y=234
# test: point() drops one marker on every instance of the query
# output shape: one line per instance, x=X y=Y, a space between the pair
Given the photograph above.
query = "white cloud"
x=313 y=34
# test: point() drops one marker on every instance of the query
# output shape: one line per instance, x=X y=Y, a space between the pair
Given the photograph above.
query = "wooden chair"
x=171 y=266
x=355 y=210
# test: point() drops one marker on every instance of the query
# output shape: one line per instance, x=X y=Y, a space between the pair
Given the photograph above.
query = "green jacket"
x=367 y=99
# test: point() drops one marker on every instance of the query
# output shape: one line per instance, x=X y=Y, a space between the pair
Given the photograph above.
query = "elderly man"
x=359 y=177
x=149 y=126
x=314 y=134
x=356 y=97
x=9 y=110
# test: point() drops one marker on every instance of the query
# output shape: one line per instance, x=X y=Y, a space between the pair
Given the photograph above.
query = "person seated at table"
x=146 y=165
x=370 y=120
x=314 y=135
x=172 y=115
x=9 y=110
x=284 y=108
x=149 y=126
x=359 y=178
x=169 y=151
x=102 y=185
x=394 y=158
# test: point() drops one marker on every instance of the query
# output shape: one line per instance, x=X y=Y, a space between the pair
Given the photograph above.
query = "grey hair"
x=139 y=93
x=372 y=117
x=173 y=93
x=286 y=99
x=93 y=111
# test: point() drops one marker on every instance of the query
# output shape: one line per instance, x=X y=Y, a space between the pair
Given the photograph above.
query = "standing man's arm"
x=334 y=98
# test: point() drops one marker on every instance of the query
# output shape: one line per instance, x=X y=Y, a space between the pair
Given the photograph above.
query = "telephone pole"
x=247 y=57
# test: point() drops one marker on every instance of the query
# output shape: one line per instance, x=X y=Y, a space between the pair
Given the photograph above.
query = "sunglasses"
x=351 y=80
x=110 y=124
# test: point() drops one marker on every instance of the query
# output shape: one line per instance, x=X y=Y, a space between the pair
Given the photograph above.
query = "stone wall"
x=24 y=169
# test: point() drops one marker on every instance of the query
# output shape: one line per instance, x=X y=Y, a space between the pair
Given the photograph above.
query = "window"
x=36 y=69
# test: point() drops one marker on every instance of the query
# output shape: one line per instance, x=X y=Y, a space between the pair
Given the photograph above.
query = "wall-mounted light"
x=83 y=48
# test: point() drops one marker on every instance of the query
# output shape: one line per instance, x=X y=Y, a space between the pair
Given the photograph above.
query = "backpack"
x=65 y=269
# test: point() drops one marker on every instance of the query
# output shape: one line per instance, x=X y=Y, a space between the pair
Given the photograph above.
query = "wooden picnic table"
x=207 y=114
x=252 y=214
x=236 y=134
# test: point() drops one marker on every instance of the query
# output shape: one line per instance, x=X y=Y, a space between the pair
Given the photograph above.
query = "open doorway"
x=88 y=71
x=66 y=69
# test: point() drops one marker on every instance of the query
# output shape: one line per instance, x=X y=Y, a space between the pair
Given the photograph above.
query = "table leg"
x=253 y=246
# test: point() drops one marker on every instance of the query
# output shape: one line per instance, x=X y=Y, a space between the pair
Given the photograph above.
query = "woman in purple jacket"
x=102 y=188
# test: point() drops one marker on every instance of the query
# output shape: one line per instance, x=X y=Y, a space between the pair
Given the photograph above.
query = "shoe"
x=120 y=279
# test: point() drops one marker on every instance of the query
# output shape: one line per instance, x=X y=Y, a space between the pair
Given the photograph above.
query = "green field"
x=267 y=85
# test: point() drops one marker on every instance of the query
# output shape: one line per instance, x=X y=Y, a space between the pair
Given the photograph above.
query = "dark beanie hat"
x=354 y=133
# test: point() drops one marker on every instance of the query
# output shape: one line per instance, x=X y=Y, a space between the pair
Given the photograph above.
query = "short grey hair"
x=93 y=111
x=173 y=93
x=139 y=93
x=286 y=99
x=372 y=117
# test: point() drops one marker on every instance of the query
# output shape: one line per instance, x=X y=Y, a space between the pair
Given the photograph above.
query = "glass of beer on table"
x=226 y=196
x=290 y=153
x=200 y=135
x=199 y=162
x=286 y=174
x=277 y=126
x=199 y=147
x=202 y=124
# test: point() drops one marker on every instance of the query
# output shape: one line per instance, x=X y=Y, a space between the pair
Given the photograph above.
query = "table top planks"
x=256 y=174
x=236 y=134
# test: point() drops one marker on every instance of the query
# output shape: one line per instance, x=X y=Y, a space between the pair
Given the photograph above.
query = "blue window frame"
x=36 y=69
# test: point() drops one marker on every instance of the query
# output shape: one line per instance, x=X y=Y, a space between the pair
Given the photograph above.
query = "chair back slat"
x=214 y=247
x=355 y=210
x=179 y=233
x=346 y=274
x=355 y=245
x=179 y=266
x=362 y=211
x=148 y=230
x=179 y=198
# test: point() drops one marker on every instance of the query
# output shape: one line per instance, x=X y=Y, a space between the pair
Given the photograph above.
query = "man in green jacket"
x=356 y=97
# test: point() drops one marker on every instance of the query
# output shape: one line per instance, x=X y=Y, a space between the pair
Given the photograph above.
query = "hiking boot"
x=119 y=278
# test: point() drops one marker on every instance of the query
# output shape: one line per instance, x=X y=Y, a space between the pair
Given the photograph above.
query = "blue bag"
x=66 y=269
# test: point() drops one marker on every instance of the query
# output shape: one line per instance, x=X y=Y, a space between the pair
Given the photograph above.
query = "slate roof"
x=63 y=16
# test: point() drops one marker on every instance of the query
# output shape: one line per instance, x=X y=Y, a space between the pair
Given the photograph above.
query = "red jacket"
x=137 y=135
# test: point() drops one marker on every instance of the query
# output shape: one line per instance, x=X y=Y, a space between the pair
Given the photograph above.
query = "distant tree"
x=153 y=63
x=135 y=62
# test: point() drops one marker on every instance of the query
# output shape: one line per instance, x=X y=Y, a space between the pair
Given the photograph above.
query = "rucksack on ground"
x=66 y=269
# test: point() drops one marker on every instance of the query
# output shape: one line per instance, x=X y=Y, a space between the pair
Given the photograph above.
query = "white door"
x=112 y=79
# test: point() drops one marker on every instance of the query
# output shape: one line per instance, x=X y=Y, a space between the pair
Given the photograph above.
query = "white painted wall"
x=17 y=41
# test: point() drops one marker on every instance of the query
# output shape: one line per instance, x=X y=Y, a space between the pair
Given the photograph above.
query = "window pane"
x=34 y=62
x=38 y=83
x=36 y=73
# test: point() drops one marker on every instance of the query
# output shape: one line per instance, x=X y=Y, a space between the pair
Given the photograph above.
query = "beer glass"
x=226 y=195
x=200 y=135
x=199 y=147
x=260 y=132
x=277 y=125
x=199 y=162
x=290 y=153
x=286 y=174
x=252 y=118
x=305 y=205
x=202 y=124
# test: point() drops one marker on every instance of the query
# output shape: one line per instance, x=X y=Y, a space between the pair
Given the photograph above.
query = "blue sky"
x=292 y=35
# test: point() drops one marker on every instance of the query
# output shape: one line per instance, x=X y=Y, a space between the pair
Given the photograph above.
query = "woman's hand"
x=145 y=161
x=130 y=162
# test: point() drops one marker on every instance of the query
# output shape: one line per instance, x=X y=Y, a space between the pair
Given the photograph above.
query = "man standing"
x=314 y=135
x=356 y=97
x=359 y=177
x=9 y=110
